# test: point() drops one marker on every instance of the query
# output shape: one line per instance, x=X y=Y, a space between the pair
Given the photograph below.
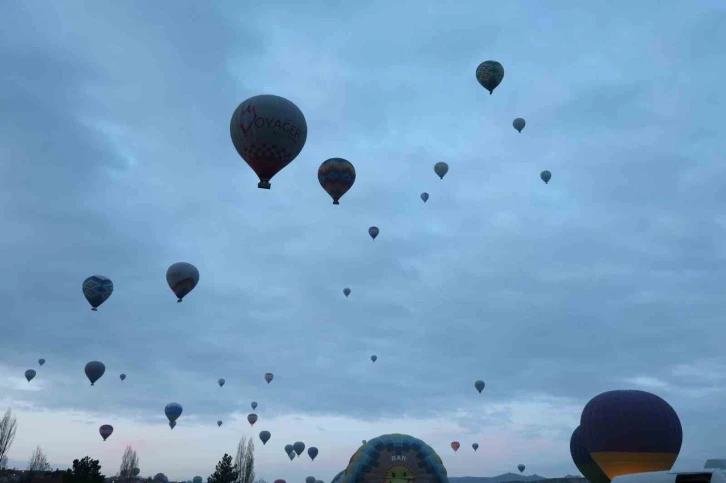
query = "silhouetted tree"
x=86 y=470
x=8 y=426
x=129 y=461
x=245 y=461
x=225 y=472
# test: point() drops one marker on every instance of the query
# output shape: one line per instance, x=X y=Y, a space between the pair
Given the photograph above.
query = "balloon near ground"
x=521 y=468
x=629 y=431
x=395 y=458
x=584 y=462
x=268 y=132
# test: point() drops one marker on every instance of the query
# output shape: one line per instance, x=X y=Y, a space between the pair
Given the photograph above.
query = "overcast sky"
x=116 y=159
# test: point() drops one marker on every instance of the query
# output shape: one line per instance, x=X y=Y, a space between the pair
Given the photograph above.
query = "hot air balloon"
x=581 y=457
x=94 y=370
x=319 y=481
x=265 y=436
x=41 y=361
x=122 y=376
x=373 y=232
x=135 y=472
x=546 y=176
x=374 y=358
x=173 y=411
x=441 y=168
x=338 y=478
x=252 y=418
x=197 y=479
x=219 y=423
x=30 y=374
x=346 y=291
x=269 y=377
x=395 y=458
x=425 y=197
x=312 y=452
x=520 y=468
x=182 y=277
x=220 y=382
x=161 y=478
x=105 y=431
x=298 y=447
x=490 y=74
x=97 y=289
x=630 y=431
x=268 y=132
x=280 y=481
x=336 y=176
x=479 y=385
x=519 y=124
x=475 y=446
x=310 y=479
x=288 y=448
x=455 y=446
x=291 y=455
x=254 y=405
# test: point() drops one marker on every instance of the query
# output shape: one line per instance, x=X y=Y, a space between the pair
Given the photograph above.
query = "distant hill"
x=516 y=478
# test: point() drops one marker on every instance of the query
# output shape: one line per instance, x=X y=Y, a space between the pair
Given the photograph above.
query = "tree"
x=129 y=461
x=225 y=472
x=8 y=425
x=245 y=461
x=38 y=462
x=86 y=470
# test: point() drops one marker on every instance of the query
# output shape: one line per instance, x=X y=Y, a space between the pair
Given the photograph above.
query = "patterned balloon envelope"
x=182 y=277
x=336 y=176
x=97 y=289
x=490 y=74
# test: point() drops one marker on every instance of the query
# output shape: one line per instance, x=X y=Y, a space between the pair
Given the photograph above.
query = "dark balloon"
x=490 y=74
x=30 y=374
x=346 y=291
x=219 y=423
x=455 y=446
x=475 y=446
x=336 y=176
x=374 y=358
x=479 y=385
x=172 y=424
x=269 y=377
x=41 y=361
x=288 y=448
x=310 y=479
x=581 y=457
x=545 y=176
x=519 y=124
x=122 y=376
x=97 y=289
x=173 y=411
x=265 y=436
x=182 y=277
x=373 y=232
x=630 y=431
x=105 y=431
x=136 y=471
x=252 y=418
x=298 y=447
x=521 y=468
x=221 y=382
x=441 y=168
x=425 y=197
x=94 y=370
x=268 y=132
x=312 y=452
x=254 y=405
x=197 y=479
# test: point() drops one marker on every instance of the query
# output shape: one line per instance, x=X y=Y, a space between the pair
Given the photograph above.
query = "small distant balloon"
x=310 y=479
x=94 y=370
x=136 y=471
x=373 y=232
x=122 y=376
x=489 y=74
x=298 y=447
x=374 y=358
x=280 y=481
x=312 y=452
x=105 y=431
x=519 y=124
x=254 y=405
x=346 y=291
x=265 y=436
x=455 y=446
x=182 y=277
x=425 y=197
x=291 y=455
x=336 y=176
x=288 y=448
x=441 y=168
x=197 y=479
x=520 y=468
x=546 y=176
x=219 y=423
x=97 y=289
x=220 y=382
x=475 y=446
x=41 y=361
x=269 y=377
x=479 y=385
x=252 y=418
x=30 y=374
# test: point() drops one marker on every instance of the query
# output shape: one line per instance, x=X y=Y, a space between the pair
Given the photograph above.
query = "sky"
x=116 y=159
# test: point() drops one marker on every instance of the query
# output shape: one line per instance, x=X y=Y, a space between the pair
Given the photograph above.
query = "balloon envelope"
x=441 y=168
x=41 y=361
x=105 y=431
x=310 y=479
x=425 y=197
x=122 y=376
x=584 y=462
x=629 y=431
x=291 y=455
x=374 y=358
x=455 y=446
x=298 y=447
x=479 y=385
x=254 y=405
x=97 y=289
x=475 y=446
x=173 y=411
x=373 y=232
x=312 y=452
x=252 y=418
x=30 y=374
x=268 y=132
x=395 y=458
x=489 y=74
x=339 y=477
x=219 y=423
x=519 y=124
x=94 y=370
x=265 y=436
x=545 y=176
x=520 y=468
x=336 y=176
x=288 y=448
x=197 y=479
x=269 y=377
x=220 y=382
x=182 y=277
x=136 y=471
x=346 y=291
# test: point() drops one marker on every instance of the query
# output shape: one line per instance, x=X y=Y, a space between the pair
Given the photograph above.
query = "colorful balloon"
x=475 y=446
x=269 y=377
x=220 y=382
x=425 y=197
x=122 y=376
x=629 y=431
x=455 y=446
x=298 y=447
x=374 y=358
x=265 y=436
x=312 y=452
x=490 y=74
x=521 y=468
x=268 y=132
x=346 y=291
x=30 y=374
x=252 y=418
x=519 y=124
x=254 y=405
x=182 y=277
x=545 y=176
x=373 y=232
x=41 y=361
x=105 y=431
x=97 y=289
x=584 y=462
x=94 y=370
x=479 y=385
x=336 y=176
x=441 y=168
